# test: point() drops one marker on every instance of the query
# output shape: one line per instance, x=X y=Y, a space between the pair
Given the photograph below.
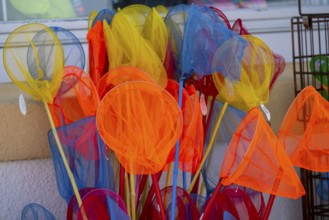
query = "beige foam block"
x=281 y=97
x=22 y=137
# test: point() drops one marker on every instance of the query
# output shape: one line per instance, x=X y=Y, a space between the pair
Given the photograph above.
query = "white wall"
x=24 y=182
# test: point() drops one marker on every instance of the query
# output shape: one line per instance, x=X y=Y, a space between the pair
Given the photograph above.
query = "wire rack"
x=310 y=42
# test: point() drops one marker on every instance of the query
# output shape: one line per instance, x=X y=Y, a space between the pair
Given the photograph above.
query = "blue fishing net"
x=34 y=211
x=212 y=167
x=205 y=34
x=104 y=14
x=175 y=22
x=86 y=155
x=73 y=51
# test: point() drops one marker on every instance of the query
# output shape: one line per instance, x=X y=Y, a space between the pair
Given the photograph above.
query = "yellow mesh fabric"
x=77 y=97
x=35 y=65
x=155 y=32
x=121 y=75
x=250 y=87
x=126 y=47
x=141 y=123
x=304 y=132
x=256 y=159
x=150 y=25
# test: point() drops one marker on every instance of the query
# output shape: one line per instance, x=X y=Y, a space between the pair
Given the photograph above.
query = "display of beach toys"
x=143 y=102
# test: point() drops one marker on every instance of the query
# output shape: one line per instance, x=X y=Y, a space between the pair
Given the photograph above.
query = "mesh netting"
x=140 y=122
x=248 y=202
x=97 y=54
x=221 y=15
x=104 y=14
x=256 y=159
x=97 y=204
x=77 y=97
x=248 y=79
x=121 y=75
x=73 y=50
x=223 y=207
x=34 y=211
x=86 y=156
x=150 y=25
x=175 y=22
x=279 y=61
x=304 y=131
x=126 y=47
x=185 y=206
x=46 y=53
x=204 y=31
x=191 y=145
x=232 y=118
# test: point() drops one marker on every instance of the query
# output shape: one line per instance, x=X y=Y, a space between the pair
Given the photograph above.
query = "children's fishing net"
x=86 y=155
x=77 y=97
x=305 y=130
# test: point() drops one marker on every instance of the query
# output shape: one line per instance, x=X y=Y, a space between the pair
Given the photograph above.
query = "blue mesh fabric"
x=175 y=22
x=73 y=52
x=204 y=36
x=34 y=211
x=104 y=14
x=212 y=167
x=86 y=154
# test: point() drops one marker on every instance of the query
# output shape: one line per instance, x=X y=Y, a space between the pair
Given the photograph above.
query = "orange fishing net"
x=256 y=159
x=304 y=132
x=141 y=123
x=191 y=145
x=77 y=97
x=120 y=75
x=98 y=61
x=248 y=79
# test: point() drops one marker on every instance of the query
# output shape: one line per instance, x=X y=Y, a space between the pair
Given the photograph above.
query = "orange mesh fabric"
x=141 y=123
x=250 y=87
x=120 y=75
x=77 y=97
x=194 y=136
x=191 y=145
x=98 y=62
x=256 y=159
x=304 y=132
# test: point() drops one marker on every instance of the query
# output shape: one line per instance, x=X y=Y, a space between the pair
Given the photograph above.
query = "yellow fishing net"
x=34 y=64
x=127 y=47
x=249 y=87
